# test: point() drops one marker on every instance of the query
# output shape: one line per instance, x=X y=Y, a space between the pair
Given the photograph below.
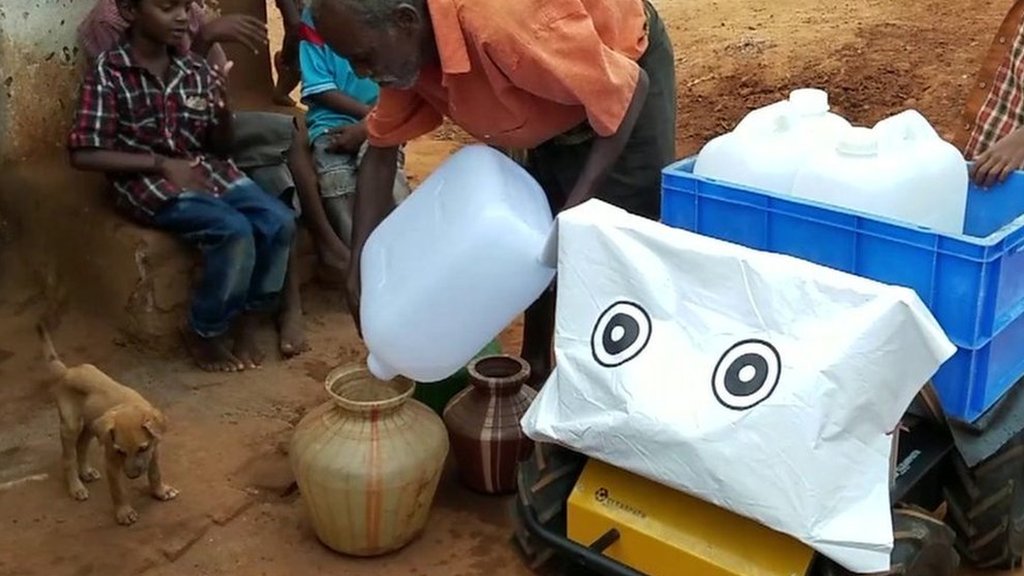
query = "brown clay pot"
x=483 y=423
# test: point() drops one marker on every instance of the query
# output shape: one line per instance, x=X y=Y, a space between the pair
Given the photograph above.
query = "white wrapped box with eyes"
x=759 y=382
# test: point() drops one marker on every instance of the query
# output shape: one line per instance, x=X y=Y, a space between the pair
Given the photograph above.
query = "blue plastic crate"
x=973 y=284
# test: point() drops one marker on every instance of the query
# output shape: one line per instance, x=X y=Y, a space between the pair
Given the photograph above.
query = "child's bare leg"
x=292 y=332
x=288 y=77
x=334 y=255
x=273 y=228
x=225 y=238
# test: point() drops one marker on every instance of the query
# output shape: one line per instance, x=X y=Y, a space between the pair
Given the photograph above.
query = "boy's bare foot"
x=210 y=354
x=246 y=349
x=291 y=332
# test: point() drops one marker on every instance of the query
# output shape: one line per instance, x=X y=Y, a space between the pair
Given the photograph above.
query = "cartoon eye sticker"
x=746 y=374
x=621 y=333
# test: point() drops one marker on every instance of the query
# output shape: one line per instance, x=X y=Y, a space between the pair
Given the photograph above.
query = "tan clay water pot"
x=368 y=463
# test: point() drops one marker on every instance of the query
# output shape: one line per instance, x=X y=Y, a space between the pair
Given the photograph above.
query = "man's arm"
x=374 y=200
x=567 y=62
x=605 y=151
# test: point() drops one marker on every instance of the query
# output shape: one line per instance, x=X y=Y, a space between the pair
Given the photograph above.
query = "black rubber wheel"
x=922 y=546
x=986 y=507
x=545 y=480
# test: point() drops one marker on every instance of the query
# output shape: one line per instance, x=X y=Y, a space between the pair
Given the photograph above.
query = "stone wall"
x=38 y=82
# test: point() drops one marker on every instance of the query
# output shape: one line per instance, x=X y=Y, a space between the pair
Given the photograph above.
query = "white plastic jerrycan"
x=860 y=173
x=453 y=265
x=770 y=144
x=809 y=107
x=909 y=135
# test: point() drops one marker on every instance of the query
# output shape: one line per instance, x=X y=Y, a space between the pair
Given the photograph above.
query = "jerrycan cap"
x=808 y=101
x=858 y=141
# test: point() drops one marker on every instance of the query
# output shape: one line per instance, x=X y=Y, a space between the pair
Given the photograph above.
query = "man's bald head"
x=375 y=14
x=385 y=40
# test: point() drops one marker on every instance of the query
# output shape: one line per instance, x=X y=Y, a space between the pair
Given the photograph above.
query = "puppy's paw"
x=89 y=474
x=165 y=492
x=126 y=515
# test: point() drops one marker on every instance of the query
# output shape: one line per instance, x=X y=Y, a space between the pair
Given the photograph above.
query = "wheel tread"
x=986 y=507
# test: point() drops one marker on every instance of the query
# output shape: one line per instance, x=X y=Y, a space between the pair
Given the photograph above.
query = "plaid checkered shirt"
x=995 y=106
x=124 y=107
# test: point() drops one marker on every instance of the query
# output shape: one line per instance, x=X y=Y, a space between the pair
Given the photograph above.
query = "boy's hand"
x=246 y=30
x=182 y=173
x=1000 y=160
x=347 y=139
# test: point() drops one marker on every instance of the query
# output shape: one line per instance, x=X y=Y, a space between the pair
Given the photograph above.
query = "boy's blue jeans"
x=245 y=237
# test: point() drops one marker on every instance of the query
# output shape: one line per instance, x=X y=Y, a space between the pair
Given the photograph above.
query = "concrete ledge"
x=85 y=254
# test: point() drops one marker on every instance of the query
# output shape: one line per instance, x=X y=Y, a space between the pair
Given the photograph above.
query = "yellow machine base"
x=664 y=532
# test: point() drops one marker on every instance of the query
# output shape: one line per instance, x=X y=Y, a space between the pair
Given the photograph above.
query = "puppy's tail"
x=56 y=366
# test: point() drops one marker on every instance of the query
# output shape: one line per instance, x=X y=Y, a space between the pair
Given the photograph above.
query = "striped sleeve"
x=95 y=123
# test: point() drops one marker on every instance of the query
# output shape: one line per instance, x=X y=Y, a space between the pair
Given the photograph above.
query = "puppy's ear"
x=155 y=424
x=103 y=427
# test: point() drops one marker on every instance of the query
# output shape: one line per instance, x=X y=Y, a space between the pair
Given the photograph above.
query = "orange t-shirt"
x=515 y=74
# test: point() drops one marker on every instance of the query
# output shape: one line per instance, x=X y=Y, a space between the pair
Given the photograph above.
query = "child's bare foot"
x=210 y=354
x=246 y=349
x=291 y=332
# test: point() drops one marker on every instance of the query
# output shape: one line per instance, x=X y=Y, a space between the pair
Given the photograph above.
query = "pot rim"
x=517 y=378
x=402 y=388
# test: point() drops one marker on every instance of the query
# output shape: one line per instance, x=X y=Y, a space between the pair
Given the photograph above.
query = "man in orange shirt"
x=585 y=87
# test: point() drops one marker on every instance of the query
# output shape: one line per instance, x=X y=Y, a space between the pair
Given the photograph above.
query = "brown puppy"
x=91 y=404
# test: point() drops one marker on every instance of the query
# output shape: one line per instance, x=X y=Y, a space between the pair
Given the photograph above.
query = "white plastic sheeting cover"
x=762 y=383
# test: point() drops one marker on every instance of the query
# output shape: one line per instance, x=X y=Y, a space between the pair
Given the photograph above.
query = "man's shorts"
x=337 y=173
x=260 y=149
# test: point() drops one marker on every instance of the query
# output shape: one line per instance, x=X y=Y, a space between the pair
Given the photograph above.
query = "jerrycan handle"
x=912 y=126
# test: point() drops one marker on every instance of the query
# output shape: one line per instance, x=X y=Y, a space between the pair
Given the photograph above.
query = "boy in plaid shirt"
x=991 y=131
x=154 y=118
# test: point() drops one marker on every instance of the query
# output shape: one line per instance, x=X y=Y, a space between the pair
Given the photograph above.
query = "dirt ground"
x=238 y=512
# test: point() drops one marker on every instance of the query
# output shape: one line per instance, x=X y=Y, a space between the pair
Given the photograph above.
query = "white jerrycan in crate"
x=917 y=182
x=909 y=135
x=771 y=143
x=453 y=265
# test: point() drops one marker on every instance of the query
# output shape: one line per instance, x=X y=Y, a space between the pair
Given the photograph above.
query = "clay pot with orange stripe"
x=483 y=423
x=368 y=462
